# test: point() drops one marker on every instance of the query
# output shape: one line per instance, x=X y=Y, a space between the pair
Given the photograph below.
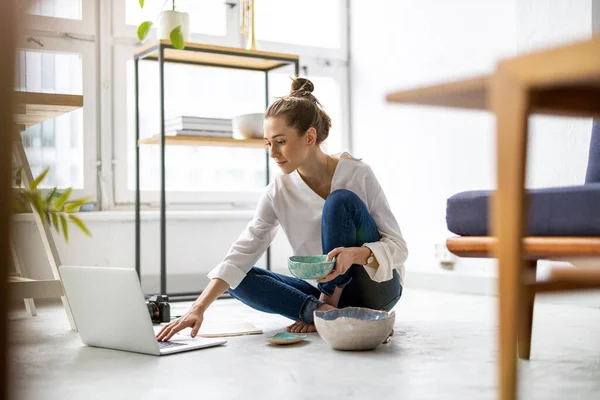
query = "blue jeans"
x=345 y=222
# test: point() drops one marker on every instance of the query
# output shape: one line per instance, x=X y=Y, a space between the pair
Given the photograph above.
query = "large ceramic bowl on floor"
x=248 y=126
x=354 y=328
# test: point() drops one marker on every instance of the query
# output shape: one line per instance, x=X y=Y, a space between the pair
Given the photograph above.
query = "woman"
x=326 y=204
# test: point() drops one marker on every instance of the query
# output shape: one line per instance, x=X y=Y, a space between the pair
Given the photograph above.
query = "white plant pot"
x=169 y=20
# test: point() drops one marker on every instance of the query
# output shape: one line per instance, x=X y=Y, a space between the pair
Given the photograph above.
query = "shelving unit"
x=204 y=141
x=204 y=55
x=31 y=109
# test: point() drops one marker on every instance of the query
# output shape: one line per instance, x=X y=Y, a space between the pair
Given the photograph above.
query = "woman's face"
x=286 y=147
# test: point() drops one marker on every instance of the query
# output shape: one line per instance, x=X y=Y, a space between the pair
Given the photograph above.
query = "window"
x=208 y=17
x=66 y=144
x=214 y=174
x=202 y=92
x=69 y=9
x=63 y=16
x=49 y=144
x=287 y=21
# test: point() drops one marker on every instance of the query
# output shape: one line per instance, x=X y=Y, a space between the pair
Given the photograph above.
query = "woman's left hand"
x=344 y=258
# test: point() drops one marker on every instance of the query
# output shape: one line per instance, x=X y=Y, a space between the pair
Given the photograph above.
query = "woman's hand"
x=344 y=258
x=192 y=319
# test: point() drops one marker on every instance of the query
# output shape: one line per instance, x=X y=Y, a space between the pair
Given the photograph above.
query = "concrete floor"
x=444 y=348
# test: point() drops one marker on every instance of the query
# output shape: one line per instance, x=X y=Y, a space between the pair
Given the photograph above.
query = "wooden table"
x=33 y=108
x=560 y=81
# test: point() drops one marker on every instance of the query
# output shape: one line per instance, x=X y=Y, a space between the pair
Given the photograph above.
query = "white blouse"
x=289 y=201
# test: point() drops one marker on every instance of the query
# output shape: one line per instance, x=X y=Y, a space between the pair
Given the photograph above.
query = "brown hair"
x=302 y=110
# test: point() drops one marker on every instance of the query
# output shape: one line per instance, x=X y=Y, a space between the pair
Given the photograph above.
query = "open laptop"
x=110 y=311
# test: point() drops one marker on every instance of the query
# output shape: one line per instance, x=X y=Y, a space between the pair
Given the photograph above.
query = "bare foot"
x=301 y=327
x=333 y=300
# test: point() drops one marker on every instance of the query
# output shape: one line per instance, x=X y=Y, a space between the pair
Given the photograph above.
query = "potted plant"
x=51 y=205
x=172 y=24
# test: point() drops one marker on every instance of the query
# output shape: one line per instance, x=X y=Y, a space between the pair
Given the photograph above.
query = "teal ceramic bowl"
x=310 y=267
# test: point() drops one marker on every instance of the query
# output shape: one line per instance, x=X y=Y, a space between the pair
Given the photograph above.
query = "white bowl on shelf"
x=248 y=126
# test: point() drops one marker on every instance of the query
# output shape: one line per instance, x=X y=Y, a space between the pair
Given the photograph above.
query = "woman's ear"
x=311 y=136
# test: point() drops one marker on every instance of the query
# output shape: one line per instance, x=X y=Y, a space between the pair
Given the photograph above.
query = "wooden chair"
x=560 y=81
x=565 y=212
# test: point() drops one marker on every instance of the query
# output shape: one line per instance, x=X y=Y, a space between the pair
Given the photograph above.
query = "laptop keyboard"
x=166 y=345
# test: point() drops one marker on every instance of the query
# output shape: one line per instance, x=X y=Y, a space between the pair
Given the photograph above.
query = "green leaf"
x=55 y=222
x=65 y=228
x=72 y=207
x=33 y=185
x=81 y=201
x=58 y=204
x=177 y=38
x=141 y=3
x=50 y=196
x=80 y=224
x=39 y=206
x=143 y=30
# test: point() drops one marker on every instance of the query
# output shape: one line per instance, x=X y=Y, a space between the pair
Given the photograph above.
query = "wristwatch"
x=371 y=258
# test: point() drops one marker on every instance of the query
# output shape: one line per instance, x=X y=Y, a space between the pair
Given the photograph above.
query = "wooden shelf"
x=469 y=94
x=557 y=88
x=33 y=108
x=219 y=56
x=205 y=141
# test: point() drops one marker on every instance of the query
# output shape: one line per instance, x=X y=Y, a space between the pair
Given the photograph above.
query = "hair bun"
x=301 y=86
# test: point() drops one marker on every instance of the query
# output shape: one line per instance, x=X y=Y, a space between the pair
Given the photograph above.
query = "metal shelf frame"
x=214 y=56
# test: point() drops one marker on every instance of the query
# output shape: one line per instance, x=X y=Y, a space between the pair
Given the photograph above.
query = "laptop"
x=110 y=311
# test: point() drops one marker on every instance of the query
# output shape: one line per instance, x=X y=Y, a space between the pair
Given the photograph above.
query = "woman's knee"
x=339 y=198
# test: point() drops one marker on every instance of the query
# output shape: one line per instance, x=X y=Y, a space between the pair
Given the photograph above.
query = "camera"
x=159 y=308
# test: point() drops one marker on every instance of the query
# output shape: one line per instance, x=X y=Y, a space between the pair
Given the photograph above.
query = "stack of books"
x=197 y=126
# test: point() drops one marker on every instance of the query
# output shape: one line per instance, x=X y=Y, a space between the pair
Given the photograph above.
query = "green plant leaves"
x=55 y=222
x=39 y=205
x=143 y=30
x=177 y=38
x=80 y=224
x=49 y=197
x=58 y=204
x=33 y=185
x=65 y=227
x=50 y=206
x=141 y=3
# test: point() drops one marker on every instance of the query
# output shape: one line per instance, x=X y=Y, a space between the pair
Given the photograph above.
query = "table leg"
x=510 y=102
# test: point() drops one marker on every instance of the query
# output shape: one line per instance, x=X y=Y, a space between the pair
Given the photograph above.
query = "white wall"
x=423 y=155
x=196 y=242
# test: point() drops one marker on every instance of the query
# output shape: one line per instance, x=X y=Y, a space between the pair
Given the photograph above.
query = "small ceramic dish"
x=286 y=338
x=310 y=267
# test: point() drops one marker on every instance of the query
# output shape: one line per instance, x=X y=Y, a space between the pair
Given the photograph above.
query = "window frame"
x=85 y=26
x=87 y=50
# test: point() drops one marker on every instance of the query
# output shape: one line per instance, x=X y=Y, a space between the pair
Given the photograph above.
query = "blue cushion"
x=564 y=211
x=593 y=168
